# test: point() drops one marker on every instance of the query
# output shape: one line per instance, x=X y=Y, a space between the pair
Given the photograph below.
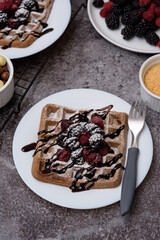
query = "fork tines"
x=138 y=110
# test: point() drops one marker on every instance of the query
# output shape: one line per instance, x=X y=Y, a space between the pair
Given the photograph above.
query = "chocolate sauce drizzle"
x=89 y=172
x=116 y=133
x=80 y=117
x=32 y=33
x=90 y=183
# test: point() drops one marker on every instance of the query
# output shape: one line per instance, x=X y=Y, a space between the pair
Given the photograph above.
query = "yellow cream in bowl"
x=152 y=79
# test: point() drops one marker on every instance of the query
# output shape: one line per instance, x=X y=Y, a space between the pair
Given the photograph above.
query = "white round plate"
x=114 y=36
x=58 y=20
x=26 y=133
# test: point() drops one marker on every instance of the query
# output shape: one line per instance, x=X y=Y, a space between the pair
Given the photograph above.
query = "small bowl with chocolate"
x=149 y=76
x=6 y=80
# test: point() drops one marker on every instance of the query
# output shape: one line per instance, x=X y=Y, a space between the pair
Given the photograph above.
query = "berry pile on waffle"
x=23 y=21
x=80 y=149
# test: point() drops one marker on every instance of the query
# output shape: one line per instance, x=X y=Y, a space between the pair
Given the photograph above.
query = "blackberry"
x=29 y=4
x=3 y=19
x=22 y=14
x=141 y=28
x=128 y=32
x=128 y=8
x=135 y=3
x=152 y=27
x=120 y=2
x=143 y=9
x=112 y=21
x=152 y=38
x=115 y=9
x=126 y=18
x=135 y=17
x=98 y=3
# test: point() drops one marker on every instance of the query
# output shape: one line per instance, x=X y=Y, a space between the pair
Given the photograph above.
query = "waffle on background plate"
x=80 y=149
x=24 y=25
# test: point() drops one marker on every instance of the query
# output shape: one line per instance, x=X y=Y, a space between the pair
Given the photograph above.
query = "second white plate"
x=26 y=133
x=114 y=36
x=58 y=20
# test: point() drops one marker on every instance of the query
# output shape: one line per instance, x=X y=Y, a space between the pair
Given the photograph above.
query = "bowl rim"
x=11 y=72
x=140 y=75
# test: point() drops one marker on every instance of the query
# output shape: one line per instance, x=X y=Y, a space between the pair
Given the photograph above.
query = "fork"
x=136 y=121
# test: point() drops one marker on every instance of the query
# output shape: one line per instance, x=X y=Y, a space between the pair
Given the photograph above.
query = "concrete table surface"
x=81 y=58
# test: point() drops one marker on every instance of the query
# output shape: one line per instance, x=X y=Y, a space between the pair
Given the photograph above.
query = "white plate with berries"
x=147 y=19
x=26 y=133
x=58 y=20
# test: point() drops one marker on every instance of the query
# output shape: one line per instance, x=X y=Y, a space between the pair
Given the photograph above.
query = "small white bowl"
x=6 y=92
x=152 y=100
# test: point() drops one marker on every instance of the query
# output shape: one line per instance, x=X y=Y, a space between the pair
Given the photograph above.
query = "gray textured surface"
x=80 y=59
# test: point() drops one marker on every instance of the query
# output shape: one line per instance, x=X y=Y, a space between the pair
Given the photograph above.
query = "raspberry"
x=148 y=15
x=143 y=3
x=65 y=124
x=108 y=5
x=13 y=23
x=152 y=6
x=157 y=22
x=13 y=7
x=96 y=119
x=157 y=11
x=5 y=5
x=63 y=155
x=88 y=154
x=16 y=2
x=158 y=44
x=104 y=149
x=84 y=138
x=91 y=157
x=104 y=13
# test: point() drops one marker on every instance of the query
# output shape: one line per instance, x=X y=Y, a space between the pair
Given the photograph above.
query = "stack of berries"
x=140 y=17
x=14 y=13
x=83 y=141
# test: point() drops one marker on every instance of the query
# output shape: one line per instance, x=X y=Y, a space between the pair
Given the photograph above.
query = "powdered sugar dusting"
x=95 y=140
x=76 y=154
x=71 y=142
x=75 y=129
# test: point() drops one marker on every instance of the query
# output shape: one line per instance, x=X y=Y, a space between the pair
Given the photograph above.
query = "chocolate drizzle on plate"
x=29 y=147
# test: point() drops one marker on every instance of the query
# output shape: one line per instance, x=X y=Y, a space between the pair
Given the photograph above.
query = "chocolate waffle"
x=80 y=149
x=25 y=24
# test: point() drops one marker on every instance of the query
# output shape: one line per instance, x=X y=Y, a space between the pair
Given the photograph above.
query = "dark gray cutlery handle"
x=129 y=181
